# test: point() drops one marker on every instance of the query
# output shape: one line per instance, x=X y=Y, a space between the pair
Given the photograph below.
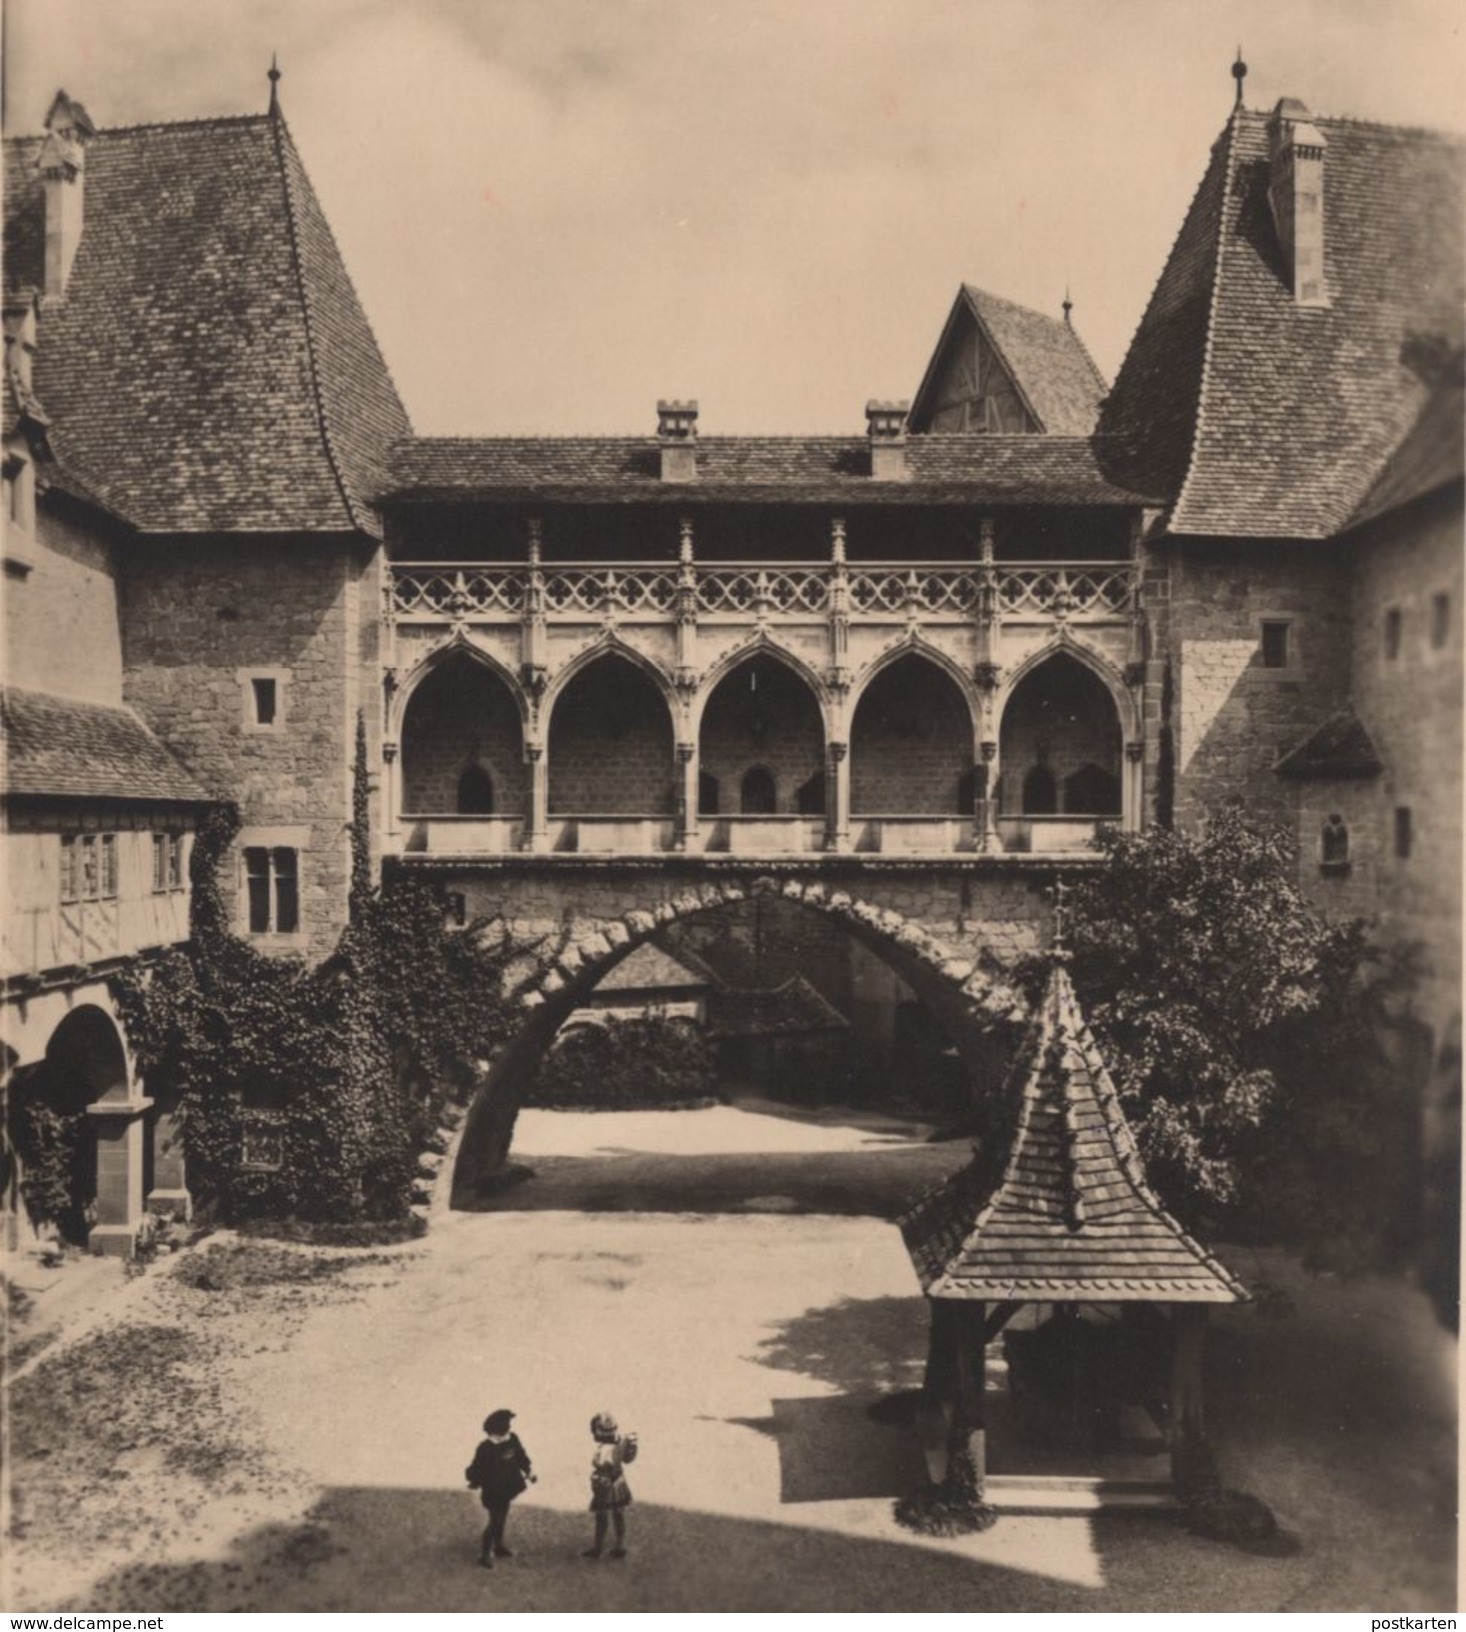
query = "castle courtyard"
x=294 y=1437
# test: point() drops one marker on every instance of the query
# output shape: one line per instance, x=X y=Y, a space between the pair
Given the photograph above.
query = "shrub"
x=647 y=1063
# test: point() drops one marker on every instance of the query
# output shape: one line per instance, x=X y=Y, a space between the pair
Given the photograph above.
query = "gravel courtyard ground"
x=298 y=1443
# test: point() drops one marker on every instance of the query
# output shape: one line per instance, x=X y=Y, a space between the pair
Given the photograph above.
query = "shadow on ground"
x=413 y=1549
x=879 y=1183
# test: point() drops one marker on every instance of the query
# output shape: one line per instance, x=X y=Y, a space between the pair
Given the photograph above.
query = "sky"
x=558 y=211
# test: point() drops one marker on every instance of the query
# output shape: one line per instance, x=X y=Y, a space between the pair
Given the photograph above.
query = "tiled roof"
x=210 y=366
x=1046 y=360
x=73 y=750
x=944 y=468
x=1429 y=457
x=655 y=968
x=1263 y=418
x=792 y=1009
x=1338 y=750
x=1063 y=1213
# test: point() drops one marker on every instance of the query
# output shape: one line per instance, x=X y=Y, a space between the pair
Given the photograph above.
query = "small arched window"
x=475 y=791
x=1333 y=845
x=1040 y=792
x=757 y=794
x=1092 y=791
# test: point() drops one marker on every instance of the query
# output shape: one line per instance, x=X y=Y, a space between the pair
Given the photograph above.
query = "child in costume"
x=499 y=1472
x=610 y=1495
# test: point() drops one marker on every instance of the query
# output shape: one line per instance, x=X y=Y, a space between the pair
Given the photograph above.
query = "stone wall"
x=1411 y=706
x=199 y=618
x=61 y=622
x=461 y=714
x=1231 y=717
x=911 y=744
x=611 y=745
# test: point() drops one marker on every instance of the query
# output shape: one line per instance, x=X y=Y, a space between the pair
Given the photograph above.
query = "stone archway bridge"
x=951 y=932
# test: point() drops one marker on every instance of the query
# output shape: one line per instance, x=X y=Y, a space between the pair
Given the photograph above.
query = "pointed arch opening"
x=1061 y=756
x=911 y=743
x=611 y=743
x=462 y=743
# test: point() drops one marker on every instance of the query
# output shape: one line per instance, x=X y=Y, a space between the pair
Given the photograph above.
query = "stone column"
x=837 y=796
x=169 y=1194
x=120 y=1133
x=537 y=823
x=688 y=771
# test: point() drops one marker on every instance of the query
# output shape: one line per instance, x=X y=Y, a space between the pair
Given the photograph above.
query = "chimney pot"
x=885 y=424
x=677 y=434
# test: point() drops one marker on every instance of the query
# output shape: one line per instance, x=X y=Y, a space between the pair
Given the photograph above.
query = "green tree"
x=1244 y=1032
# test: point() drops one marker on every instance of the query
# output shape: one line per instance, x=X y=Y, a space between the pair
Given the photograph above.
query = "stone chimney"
x=885 y=424
x=1295 y=192
x=677 y=433
x=62 y=164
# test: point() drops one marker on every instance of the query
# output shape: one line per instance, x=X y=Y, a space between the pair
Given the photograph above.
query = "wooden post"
x=938 y=1390
x=1188 y=1321
x=970 y=1428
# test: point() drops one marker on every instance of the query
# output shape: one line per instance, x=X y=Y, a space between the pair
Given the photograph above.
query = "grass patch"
x=238 y=1266
x=368 y=1233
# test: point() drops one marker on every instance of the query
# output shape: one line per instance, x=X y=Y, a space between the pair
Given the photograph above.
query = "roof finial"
x=1068 y=308
x=1239 y=73
x=1058 y=951
x=274 y=78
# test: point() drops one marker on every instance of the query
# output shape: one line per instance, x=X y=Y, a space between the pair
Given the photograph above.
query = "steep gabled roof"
x=656 y=968
x=1046 y=361
x=1428 y=458
x=793 y=1009
x=1265 y=418
x=1063 y=1212
x=944 y=469
x=66 y=749
x=210 y=366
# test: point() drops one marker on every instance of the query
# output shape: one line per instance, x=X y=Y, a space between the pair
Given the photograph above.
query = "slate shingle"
x=55 y=746
x=210 y=367
x=1338 y=750
x=944 y=468
x=1262 y=418
x=1062 y=1212
x=1046 y=360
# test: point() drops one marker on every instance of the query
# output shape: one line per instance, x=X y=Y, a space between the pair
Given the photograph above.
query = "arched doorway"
x=610 y=743
x=53 y=1132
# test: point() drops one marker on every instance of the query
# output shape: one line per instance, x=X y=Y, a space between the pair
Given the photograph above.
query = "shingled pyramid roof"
x=210 y=366
x=1062 y=1213
x=1261 y=418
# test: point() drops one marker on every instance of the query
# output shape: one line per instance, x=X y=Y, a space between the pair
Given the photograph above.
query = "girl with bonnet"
x=610 y=1495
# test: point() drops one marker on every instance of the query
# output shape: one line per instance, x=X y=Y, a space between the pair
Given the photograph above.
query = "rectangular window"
x=70 y=868
x=263 y=1141
x=160 y=861
x=1440 y=620
x=1404 y=832
x=108 y=843
x=1394 y=628
x=263 y=690
x=272 y=887
x=1275 y=644
x=175 y=861
x=90 y=876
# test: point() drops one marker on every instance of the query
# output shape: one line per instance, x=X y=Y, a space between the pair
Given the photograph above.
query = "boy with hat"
x=499 y=1472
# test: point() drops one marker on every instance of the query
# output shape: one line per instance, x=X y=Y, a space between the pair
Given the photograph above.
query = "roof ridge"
x=280 y=134
x=1229 y=172
x=214 y=119
x=1381 y=126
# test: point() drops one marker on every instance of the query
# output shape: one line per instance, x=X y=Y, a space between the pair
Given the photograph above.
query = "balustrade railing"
x=1080 y=589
